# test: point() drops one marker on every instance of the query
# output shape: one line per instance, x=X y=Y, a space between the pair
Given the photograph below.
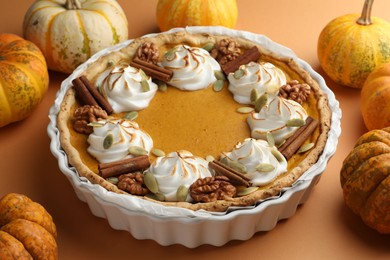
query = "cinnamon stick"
x=152 y=70
x=83 y=93
x=124 y=166
x=292 y=144
x=233 y=175
x=96 y=94
x=249 y=55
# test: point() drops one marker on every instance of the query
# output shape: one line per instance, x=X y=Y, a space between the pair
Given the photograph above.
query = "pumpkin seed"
x=131 y=115
x=96 y=124
x=261 y=102
x=254 y=95
x=210 y=158
x=270 y=139
x=145 y=85
x=151 y=182
x=156 y=196
x=218 y=85
x=305 y=147
x=265 y=167
x=108 y=141
x=137 y=150
x=239 y=74
x=245 y=110
x=295 y=122
x=247 y=191
x=181 y=193
x=162 y=86
x=170 y=55
x=143 y=75
x=277 y=155
x=113 y=180
x=219 y=75
x=208 y=46
x=282 y=143
x=158 y=152
x=238 y=166
x=224 y=160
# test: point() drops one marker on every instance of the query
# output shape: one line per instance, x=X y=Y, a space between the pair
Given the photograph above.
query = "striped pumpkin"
x=181 y=13
x=69 y=31
x=352 y=46
x=24 y=78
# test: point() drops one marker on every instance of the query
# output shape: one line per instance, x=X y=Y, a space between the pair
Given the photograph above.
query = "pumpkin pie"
x=197 y=121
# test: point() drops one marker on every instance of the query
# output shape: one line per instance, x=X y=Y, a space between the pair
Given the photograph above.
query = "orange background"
x=322 y=228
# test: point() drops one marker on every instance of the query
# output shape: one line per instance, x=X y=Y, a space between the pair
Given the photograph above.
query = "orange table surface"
x=322 y=228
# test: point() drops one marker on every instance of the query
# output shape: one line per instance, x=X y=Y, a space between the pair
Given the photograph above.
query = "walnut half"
x=133 y=183
x=295 y=91
x=85 y=115
x=211 y=189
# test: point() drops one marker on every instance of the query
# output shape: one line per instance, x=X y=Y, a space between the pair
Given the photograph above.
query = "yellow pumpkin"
x=375 y=98
x=365 y=179
x=69 y=31
x=24 y=78
x=181 y=13
x=27 y=230
x=352 y=46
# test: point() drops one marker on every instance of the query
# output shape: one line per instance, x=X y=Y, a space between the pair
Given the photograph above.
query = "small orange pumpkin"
x=375 y=98
x=351 y=46
x=182 y=13
x=27 y=230
x=365 y=179
x=24 y=78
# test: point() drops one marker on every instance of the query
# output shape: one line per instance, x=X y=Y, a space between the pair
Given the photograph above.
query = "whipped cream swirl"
x=264 y=77
x=124 y=133
x=273 y=118
x=251 y=153
x=126 y=88
x=178 y=168
x=193 y=68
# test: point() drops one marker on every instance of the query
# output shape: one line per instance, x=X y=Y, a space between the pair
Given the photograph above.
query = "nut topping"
x=295 y=91
x=226 y=50
x=133 y=183
x=210 y=189
x=148 y=52
x=85 y=115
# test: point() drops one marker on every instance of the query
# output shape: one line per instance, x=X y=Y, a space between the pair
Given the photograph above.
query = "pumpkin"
x=69 y=31
x=375 y=98
x=24 y=78
x=350 y=47
x=27 y=230
x=181 y=13
x=365 y=179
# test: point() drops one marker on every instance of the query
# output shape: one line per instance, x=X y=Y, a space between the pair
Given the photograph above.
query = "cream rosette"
x=276 y=118
x=193 y=68
x=262 y=163
x=264 y=77
x=177 y=169
x=126 y=88
x=110 y=140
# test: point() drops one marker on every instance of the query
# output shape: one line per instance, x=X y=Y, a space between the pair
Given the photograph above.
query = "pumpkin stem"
x=72 y=4
x=365 y=18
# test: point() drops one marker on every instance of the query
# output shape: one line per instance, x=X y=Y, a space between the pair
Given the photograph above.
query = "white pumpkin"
x=68 y=32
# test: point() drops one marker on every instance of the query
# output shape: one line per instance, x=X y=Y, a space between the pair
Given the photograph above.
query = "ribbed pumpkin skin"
x=375 y=98
x=182 y=13
x=365 y=179
x=67 y=38
x=27 y=230
x=24 y=78
x=348 y=52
